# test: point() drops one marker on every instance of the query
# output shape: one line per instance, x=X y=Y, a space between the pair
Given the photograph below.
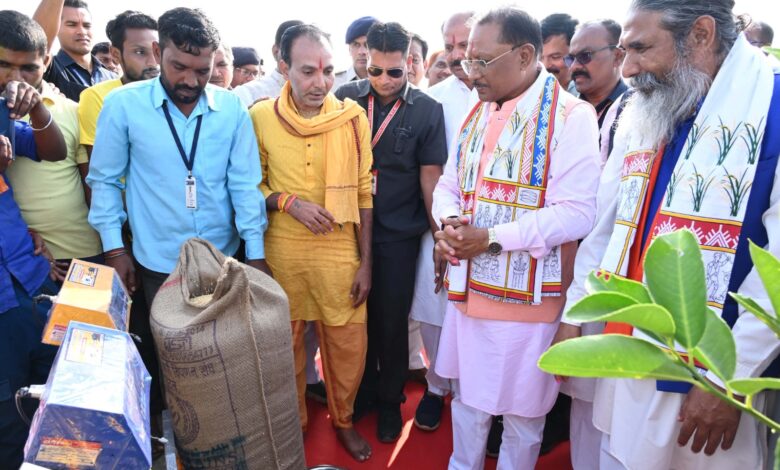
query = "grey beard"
x=658 y=106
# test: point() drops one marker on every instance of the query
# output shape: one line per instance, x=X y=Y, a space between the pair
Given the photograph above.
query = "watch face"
x=494 y=248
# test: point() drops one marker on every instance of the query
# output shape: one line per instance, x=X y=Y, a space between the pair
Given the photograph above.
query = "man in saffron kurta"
x=517 y=193
x=316 y=156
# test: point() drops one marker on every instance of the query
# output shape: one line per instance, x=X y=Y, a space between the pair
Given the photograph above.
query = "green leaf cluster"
x=671 y=308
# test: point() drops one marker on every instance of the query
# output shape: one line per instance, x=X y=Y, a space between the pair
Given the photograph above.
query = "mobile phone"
x=6 y=123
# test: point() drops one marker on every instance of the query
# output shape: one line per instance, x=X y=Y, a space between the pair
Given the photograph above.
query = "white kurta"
x=456 y=101
x=632 y=439
x=495 y=364
x=345 y=76
x=428 y=307
x=269 y=86
x=642 y=428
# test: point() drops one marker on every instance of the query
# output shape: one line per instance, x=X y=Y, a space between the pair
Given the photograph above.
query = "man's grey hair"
x=680 y=15
x=517 y=27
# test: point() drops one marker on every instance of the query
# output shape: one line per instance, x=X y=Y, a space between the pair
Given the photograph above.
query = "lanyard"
x=188 y=162
x=385 y=123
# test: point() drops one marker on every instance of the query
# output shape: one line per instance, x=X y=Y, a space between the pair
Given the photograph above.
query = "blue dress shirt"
x=71 y=78
x=16 y=246
x=133 y=141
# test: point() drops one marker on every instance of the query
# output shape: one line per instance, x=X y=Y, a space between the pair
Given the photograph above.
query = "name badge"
x=374 y=179
x=191 y=193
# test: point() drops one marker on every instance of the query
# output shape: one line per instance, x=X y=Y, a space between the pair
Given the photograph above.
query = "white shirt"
x=457 y=100
x=269 y=86
x=344 y=76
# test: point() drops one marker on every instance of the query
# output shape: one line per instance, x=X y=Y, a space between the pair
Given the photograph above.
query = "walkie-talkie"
x=7 y=124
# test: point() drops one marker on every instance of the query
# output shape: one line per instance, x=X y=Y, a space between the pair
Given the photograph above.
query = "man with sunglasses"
x=409 y=147
x=517 y=193
x=595 y=63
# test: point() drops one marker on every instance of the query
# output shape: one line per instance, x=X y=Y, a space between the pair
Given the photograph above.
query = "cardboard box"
x=92 y=293
x=94 y=411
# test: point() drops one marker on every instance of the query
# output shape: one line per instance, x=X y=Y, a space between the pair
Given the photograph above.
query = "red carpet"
x=414 y=450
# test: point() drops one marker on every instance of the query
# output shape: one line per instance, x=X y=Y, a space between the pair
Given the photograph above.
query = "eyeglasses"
x=248 y=73
x=480 y=66
x=375 y=71
x=584 y=57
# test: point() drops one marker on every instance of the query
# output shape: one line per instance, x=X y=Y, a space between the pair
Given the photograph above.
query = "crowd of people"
x=450 y=202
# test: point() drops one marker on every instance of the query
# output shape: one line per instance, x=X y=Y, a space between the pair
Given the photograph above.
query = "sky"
x=251 y=23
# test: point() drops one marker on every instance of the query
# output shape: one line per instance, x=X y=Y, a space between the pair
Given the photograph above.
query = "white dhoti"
x=428 y=308
x=495 y=364
x=416 y=359
x=640 y=429
x=584 y=437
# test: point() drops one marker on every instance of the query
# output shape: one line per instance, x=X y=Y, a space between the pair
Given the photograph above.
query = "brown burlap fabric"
x=222 y=331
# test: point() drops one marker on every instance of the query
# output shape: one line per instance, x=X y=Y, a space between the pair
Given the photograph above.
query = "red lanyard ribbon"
x=385 y=123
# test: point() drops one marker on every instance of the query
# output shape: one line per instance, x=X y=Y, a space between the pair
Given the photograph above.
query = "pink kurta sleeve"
x=570 y=206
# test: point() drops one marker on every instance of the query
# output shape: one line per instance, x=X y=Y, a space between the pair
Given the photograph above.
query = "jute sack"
x=222 y=331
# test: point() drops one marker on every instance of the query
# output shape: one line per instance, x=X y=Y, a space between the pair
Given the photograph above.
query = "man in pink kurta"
x=517 y=193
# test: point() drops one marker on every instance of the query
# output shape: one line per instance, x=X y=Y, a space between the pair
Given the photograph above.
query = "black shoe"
x=428 y=415
x=317 y=392
x=494 y=436
x=389 y=423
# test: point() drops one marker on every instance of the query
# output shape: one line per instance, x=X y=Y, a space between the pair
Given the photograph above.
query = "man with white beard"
x=694 y=74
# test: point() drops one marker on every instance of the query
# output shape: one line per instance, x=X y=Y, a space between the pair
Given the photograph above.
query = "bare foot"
x=357 y=447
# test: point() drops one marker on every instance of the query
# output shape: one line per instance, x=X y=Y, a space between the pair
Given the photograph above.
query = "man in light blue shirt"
x=186 y=155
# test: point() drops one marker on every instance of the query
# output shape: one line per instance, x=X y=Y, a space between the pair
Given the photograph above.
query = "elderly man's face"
x=501 y=78
x=603 y=60
x=649 y=48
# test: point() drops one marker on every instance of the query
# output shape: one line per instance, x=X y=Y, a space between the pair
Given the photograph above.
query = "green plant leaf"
x=599 y=304
x=753 y=386
x=717 y=349
x=675 y=277
x=753 y=307
x=612 y=356
x=650 y=318
x=606 y=282
x=768 y=268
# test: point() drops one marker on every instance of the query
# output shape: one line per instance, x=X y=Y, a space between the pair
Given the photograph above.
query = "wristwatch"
x=494 y=248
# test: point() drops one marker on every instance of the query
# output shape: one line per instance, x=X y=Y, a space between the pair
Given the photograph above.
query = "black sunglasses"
x=584 y=57
x=375 y=71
